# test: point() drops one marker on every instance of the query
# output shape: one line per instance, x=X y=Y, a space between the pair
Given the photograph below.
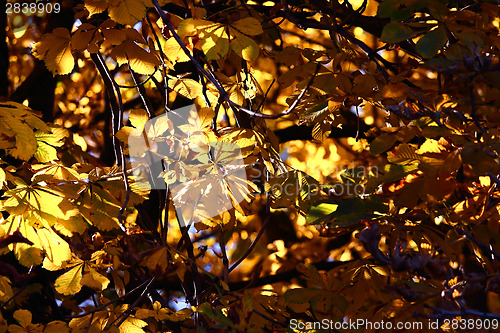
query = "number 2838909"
x=32 y=8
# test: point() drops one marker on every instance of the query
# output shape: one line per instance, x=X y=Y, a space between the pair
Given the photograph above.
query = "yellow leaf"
x=127 y=11
x=132 y=325
x=23 y=317
x=119 y=285
x=245 y=47
x=84 y=324
x=56 y=326
x=215 y=43
x=186 y=87
x=83 y=36
x=94 y=280
x=70 y=282
x=47 y=142
x=25 y=140
x=249 y=26
x=100 y=208
x=56 y=249
x=114 y=36
x=190 y=27
x=53 y=201
x=95 y=6
x=157 y=261
x=140 y=60
x=138 y=117
x=57 y=171
x=5 y=289
x=173 y=51
x=17 y=123
x=54 y=48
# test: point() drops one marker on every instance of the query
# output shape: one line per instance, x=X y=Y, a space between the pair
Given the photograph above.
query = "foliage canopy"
x=369 y=134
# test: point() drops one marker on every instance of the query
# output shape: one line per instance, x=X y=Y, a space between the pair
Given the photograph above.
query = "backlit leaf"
x=249 y=26
x=70 y=282
x=396 y=32
x=127 y=11
x=430 y=43
x=245 y=47
x=55 y=49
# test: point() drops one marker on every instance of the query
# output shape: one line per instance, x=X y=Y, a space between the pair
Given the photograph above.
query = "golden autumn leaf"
x=93 y=279
x=95 y=6
x=70 y=282
x=173 y=51
x=24 y=318
x=5 y=289
x=249 y=26
x=127 y=11
x=55 y=50
x=47 y=143
x=56 y=326
x=245 y=47
x=215 y=43
x=56 y=171
x=139 y=60
x=188 y=88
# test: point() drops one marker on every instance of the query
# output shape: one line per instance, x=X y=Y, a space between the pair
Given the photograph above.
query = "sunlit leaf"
x=127 y=11
x=55 y=49
x=70 y=282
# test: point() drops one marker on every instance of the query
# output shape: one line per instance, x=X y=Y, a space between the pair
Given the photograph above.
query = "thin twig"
x=225 y=260
x=138 y=84
x=25 y=283
x=256 y=240
x=92 y=314
x=473 y=106
x=142 y=93
x=213 y=80
x=102 y=69
x=483 y=246
x=110 y=302
x=125 y=314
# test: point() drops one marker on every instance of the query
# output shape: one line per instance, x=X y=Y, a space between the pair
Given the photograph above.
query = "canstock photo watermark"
x=206 y=177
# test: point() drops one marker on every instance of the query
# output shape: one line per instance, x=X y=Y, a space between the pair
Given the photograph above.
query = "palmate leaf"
x=293 y=188
x=100 y=202
x=48 y=142
x=24 y=134
x=55 y=50
x=70 y=282
x=17 y=125
x=56 y=171
x=5 y=289
x=48 y=201
x=139 y=60
x=46 y=243
x=127 y=11
x=216 y=37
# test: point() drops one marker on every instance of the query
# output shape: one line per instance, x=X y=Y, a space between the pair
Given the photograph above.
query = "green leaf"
x=382 y=143
x=317 y=212
x=395 y=32
x=432 y=42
